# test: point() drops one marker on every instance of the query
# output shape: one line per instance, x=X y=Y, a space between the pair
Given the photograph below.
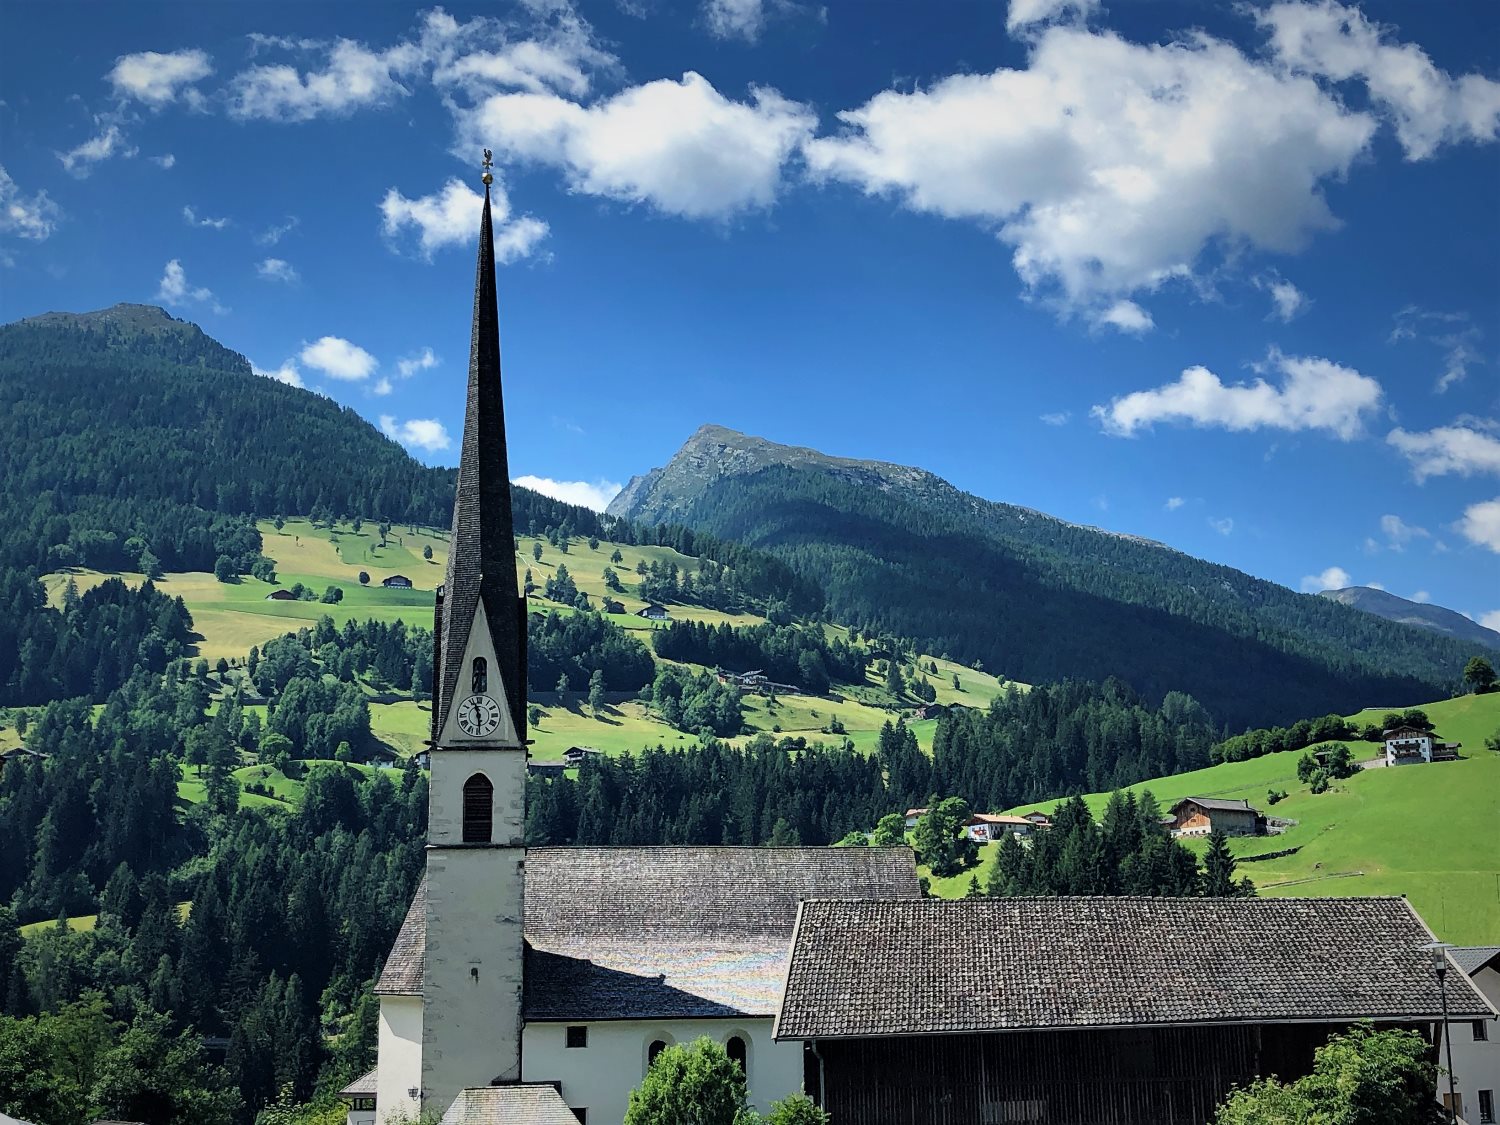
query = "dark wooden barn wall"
x=1167 y=1076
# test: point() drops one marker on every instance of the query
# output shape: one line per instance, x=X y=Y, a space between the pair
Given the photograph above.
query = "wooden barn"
x=1090 y=1011
x=396 y=582
x=1198 y=816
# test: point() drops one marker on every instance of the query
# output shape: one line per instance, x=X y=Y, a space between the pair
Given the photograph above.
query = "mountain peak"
x=143 y=330
x=1424 y=615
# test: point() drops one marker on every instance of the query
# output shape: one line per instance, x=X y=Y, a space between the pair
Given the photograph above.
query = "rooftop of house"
x=1407 y=732
x=1047 y=963
x=647 y=933
x=361 y=1087
x=1471 y=958
x=526 y=1104
x=999 y=818
x=1214 y=804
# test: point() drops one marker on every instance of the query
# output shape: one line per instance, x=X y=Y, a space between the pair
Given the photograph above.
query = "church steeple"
x=481 y=578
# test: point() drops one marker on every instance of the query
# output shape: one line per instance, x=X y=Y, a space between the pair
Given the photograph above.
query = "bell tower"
x=476 y=823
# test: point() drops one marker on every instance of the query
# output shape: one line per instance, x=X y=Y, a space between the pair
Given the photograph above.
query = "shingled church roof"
x=979 y=965
x=637 y=933
x=528 y=1104
x=481 y=547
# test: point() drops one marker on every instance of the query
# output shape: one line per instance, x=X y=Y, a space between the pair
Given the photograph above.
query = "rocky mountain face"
x=1421 y=615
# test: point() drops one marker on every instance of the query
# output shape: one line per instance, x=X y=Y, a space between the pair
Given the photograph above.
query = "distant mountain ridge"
x=1420 y=615
x=1036 y=598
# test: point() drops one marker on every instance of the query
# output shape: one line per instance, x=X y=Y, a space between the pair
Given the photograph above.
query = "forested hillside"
x=1036 y=598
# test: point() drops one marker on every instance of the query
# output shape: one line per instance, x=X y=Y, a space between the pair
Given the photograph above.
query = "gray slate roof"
x=1470 y=959
x=531 y=1104
x=1214 y=803
x=636 y=933
x=931 y=967
x=361 y=1087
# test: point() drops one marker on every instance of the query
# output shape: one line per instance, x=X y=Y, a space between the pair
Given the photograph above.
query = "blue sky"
x=1221 y=275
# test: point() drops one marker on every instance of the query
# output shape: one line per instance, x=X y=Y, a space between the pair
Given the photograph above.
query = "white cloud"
x=1127 y=316
x=176 y=291
x=190 y=217
x=423 y=433
x=354 y=77
x=1398 y=533
x=1334 y=578
x=157 y=79
x=275 y=233
x=111 y=142
x=547 y=47
x=450 y=216
x=1491 y=620
x=165 y=160
x=1027 y=13
x=1109 y=167
x=1375 y=585
x=1455 y=333
x=1057 y=418
x=424 y=360
x=1223 y=526
x=1173 y=503
x=287 y=373
x=1315 y=394
x=1428 y=106
x=595 y=495
x=681 y=147
x=382 y=386
x=339 y=359
x=1465 y=449
x=1421 y=596
x=735 y=19
x=1287 y=301
x=33 y=217
x=277 y=269
x=1481 y=524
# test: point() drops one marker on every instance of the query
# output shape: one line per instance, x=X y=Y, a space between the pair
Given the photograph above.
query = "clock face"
x=478 y=715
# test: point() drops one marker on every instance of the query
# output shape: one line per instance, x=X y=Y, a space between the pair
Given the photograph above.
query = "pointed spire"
x=481 y=548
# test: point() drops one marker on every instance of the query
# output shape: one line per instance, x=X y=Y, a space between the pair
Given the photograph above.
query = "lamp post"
x=1438 y=951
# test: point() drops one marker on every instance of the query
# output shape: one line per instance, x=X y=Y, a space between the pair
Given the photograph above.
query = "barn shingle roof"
x=361 y=1087
x=636 y=933
x=531 y=1104
x=1471 y=958
x=931 y=967
x=1215 y=804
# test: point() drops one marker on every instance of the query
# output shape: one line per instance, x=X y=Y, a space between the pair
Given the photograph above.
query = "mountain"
x=127 y=429
x=1421 y=615
x=900 y=550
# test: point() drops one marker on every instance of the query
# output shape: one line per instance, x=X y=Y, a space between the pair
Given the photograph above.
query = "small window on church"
x=738 y=1052
x=479 y=808
x=577 y=1037
x=656 y=1048
x=481 y=679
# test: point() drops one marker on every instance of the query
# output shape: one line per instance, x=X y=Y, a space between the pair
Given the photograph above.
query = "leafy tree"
x=615 y=557
x=1479 y=674
x=890 y=832
x=427 y=552
x=151 y=1075
x=224 y=569
x=854 y=839
x=562 y=689
x=693 y=1084
x=534 y=715
x=940 y=839
x=333 y=595
x=796 y=1109
x=593 y=542
x=364 y=578
x=596 y=692
x=536 y=550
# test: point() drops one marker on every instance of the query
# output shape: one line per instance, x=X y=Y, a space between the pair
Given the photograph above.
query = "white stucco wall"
x=1476 y=1064
x=400 y=1057
x=599 y=1077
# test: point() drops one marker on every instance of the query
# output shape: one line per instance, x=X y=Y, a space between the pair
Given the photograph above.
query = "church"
x=535 y=986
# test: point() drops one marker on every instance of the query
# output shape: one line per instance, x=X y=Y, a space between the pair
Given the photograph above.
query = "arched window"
x=480 y=682
x=739 y=1052
x=656 y=1048
x=479 y=807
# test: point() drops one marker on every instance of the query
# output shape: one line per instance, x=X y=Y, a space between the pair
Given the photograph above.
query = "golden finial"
x=488 y=164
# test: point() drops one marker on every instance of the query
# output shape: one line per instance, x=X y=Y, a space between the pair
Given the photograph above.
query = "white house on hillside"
x=1409 y=746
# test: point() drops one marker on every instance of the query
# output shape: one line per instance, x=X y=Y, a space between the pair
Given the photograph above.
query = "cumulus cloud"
x=449 y=217
x=1109 y=167
x=109 y=143
x=679 y=147
x=159 y=79
x=1314 y=394
x=735 y=19
x=1334 y=578
x=1428 y=106
x=420 y=433
x=33 y=217
x=352 y=77
x=383 y=386
x=586 y=494
x=175 y=289
x=1023 y=14
x=287 y=373
x=339 y=359
x=424 y=360
x=1287 y=301
x=1466 y=448
x=1398 y=533
x=1127 y=316
x=1481 y=524
x=193 y=219
x=1173 y=503
x=277 y=269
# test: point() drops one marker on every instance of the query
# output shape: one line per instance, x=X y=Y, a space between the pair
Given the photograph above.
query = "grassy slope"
x=1431 y=833
x=231 y=617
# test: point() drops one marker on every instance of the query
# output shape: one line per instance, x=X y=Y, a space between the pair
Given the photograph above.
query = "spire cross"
x=488 y=164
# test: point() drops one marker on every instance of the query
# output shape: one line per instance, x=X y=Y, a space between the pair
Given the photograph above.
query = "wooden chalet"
x=1198 y=816
x=396 y=582
x=575 y=755
x=1410 y=746
x=1107 y=1011
x=985 y=827
x=653 y=612
x=359 y=1096
x=281 y=595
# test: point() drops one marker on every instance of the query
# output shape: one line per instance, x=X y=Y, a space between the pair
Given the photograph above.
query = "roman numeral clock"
x=478 y=716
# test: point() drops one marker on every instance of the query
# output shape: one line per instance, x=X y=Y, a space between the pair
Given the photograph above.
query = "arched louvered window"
x=479 y=809
x=656 y=1048
x=739 y=1052
x=480 y=682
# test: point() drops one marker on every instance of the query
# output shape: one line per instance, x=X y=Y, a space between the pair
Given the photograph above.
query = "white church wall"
x=599 y=1077
x=400 y=1057
x=1476 y=1062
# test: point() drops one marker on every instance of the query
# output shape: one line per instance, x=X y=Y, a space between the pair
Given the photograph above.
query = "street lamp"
x=1438 y=951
